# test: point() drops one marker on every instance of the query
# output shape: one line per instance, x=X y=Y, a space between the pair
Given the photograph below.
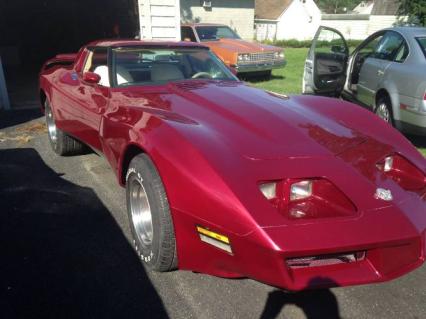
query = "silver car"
x=386 y=73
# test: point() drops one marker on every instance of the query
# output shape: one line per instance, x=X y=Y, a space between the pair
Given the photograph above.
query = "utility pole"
x=4 y=97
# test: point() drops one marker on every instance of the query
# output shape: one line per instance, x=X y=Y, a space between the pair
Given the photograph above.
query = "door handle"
x=380 y=72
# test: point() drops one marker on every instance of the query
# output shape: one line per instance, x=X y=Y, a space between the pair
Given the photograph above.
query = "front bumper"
x=392 y=246
x=383 y=261
x=392 y=243
x=259 y=66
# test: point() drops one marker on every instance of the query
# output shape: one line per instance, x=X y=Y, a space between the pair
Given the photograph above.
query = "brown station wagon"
x=243 y=56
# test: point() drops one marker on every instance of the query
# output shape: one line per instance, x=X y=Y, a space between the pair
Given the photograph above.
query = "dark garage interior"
x=33 y=31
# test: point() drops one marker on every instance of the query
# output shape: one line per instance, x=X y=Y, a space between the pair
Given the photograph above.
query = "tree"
x=415 y=10
x=337 y=6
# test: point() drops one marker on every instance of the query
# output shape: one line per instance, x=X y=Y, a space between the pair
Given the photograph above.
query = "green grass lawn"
x=289 y=81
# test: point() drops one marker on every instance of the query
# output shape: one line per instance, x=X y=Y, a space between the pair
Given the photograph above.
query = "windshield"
x=146 y=66
x=212 y=33
x=422 y=42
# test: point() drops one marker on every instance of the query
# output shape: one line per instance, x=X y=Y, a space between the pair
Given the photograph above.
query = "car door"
x=373 y=70
x=325 y=65
x=91 y=99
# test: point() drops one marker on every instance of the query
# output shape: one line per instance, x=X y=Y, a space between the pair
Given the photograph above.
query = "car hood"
x=259 y=124
x=242 y=135
x=240 y=46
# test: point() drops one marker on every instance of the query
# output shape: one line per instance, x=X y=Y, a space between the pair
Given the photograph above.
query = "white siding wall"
x=265 y=30
x=351 y=29
x=380 y=22
x=159 y=19
x=238 y=14
x=360 y=29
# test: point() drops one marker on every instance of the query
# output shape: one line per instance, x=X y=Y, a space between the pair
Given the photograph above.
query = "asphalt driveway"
x=65 y=252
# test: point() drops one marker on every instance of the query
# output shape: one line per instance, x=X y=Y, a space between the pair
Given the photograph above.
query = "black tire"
x=154 y=242
x=61 y=143
x=262 y=75
x=267 y=75
x=384 y=109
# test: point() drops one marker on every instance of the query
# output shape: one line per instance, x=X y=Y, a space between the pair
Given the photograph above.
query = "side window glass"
x=330 y=42
x=369 y=48
x=97 y=62
x=402 y=53
x=389 y=46
x=88 y=62
x=99 y=59
x=187 y=34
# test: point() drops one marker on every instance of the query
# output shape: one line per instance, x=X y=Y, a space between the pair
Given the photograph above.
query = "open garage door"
x=33 y=31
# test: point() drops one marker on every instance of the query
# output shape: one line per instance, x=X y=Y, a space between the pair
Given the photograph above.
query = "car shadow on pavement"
x=15 y=117
x=62 y=253
x=320 y=303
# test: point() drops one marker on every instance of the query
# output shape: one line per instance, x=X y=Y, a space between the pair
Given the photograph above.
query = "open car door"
x=325 y=66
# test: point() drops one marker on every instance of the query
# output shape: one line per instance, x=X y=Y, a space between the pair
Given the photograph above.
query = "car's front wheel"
x=384 y=109
x=149 y=215
x=61 y=143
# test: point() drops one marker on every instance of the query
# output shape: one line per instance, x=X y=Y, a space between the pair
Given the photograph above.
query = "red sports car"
x=225 y=179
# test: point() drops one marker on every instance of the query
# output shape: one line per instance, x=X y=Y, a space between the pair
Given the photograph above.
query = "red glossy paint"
x=91 y=78
x=215 y=142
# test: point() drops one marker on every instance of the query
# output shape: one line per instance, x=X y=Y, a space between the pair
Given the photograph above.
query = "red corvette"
x=225 y=179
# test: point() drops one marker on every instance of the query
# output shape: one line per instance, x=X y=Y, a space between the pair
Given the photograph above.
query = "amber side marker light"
x=215 y=239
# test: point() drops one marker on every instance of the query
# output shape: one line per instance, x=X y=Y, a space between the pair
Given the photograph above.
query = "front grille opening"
x=325 y=260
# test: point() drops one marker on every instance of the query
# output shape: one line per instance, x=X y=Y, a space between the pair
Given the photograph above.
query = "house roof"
x=385 y=7
x=270 y=9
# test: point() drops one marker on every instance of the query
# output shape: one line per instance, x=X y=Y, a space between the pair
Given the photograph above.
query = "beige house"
x=160 y=19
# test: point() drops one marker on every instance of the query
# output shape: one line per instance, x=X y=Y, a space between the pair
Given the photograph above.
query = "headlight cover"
x=269 y=190
x=300 y=190
x=403 y=172
x=279 y=55
x=243 y=57
x=307 y=198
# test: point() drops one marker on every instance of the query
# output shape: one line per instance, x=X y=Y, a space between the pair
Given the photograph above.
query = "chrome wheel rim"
x=51 y=126
x=383 y=112
x=141 y=212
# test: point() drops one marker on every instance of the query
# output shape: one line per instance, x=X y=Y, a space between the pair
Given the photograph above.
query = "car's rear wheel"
x=61 y=143
x=149 y=215
x=384 y=109
x=263 y=75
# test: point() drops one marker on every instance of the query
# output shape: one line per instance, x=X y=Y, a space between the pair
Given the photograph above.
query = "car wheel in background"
x=62 y=144
x=255 y=76
x=384 y=109
x=264 y=75
x=149 y=215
